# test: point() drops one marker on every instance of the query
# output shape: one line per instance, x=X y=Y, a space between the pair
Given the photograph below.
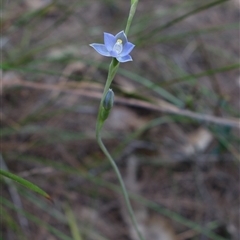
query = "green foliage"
x=43 y=130
x=25 y=183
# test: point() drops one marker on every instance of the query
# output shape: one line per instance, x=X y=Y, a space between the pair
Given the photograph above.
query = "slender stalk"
x=124 y=190
x=131 y=15
x=112 y=71
x=113 y=67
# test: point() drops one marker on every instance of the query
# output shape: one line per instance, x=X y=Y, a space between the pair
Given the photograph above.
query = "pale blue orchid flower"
x=115 y=46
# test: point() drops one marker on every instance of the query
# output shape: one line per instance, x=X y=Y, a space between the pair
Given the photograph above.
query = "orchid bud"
x=107 y=105
x=108 y=100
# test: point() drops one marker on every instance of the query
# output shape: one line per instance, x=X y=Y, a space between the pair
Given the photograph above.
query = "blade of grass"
x=179 y=36
x=201 y=74
x=15 y=197
x=12 y=225
x=72 y=222
x=30 y=16
x=147 y=83
x=25 y=183
x=178 y=19
x=144 y=21
x=148 y=203
x=59 y=216
x=67 y=11
x=36 y=220
x=153 y=86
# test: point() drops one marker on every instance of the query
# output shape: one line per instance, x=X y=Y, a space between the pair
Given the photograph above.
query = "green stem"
x=111 y=73
x=124 y=190
x=131 y=15
x=113 y=67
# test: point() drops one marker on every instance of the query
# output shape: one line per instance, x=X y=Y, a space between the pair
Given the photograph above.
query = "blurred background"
x=173 y=131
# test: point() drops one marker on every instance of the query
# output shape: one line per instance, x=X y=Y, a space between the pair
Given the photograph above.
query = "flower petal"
x=126 y=58
x=121 y=35
x=109 y=41
x=127 y=48
x=113 y=54
x=101 y=49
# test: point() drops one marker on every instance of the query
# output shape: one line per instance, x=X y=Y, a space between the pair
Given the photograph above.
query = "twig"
x=158 y=105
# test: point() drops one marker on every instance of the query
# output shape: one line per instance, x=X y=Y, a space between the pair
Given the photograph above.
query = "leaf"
x=25 y=183
x=72 y=221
